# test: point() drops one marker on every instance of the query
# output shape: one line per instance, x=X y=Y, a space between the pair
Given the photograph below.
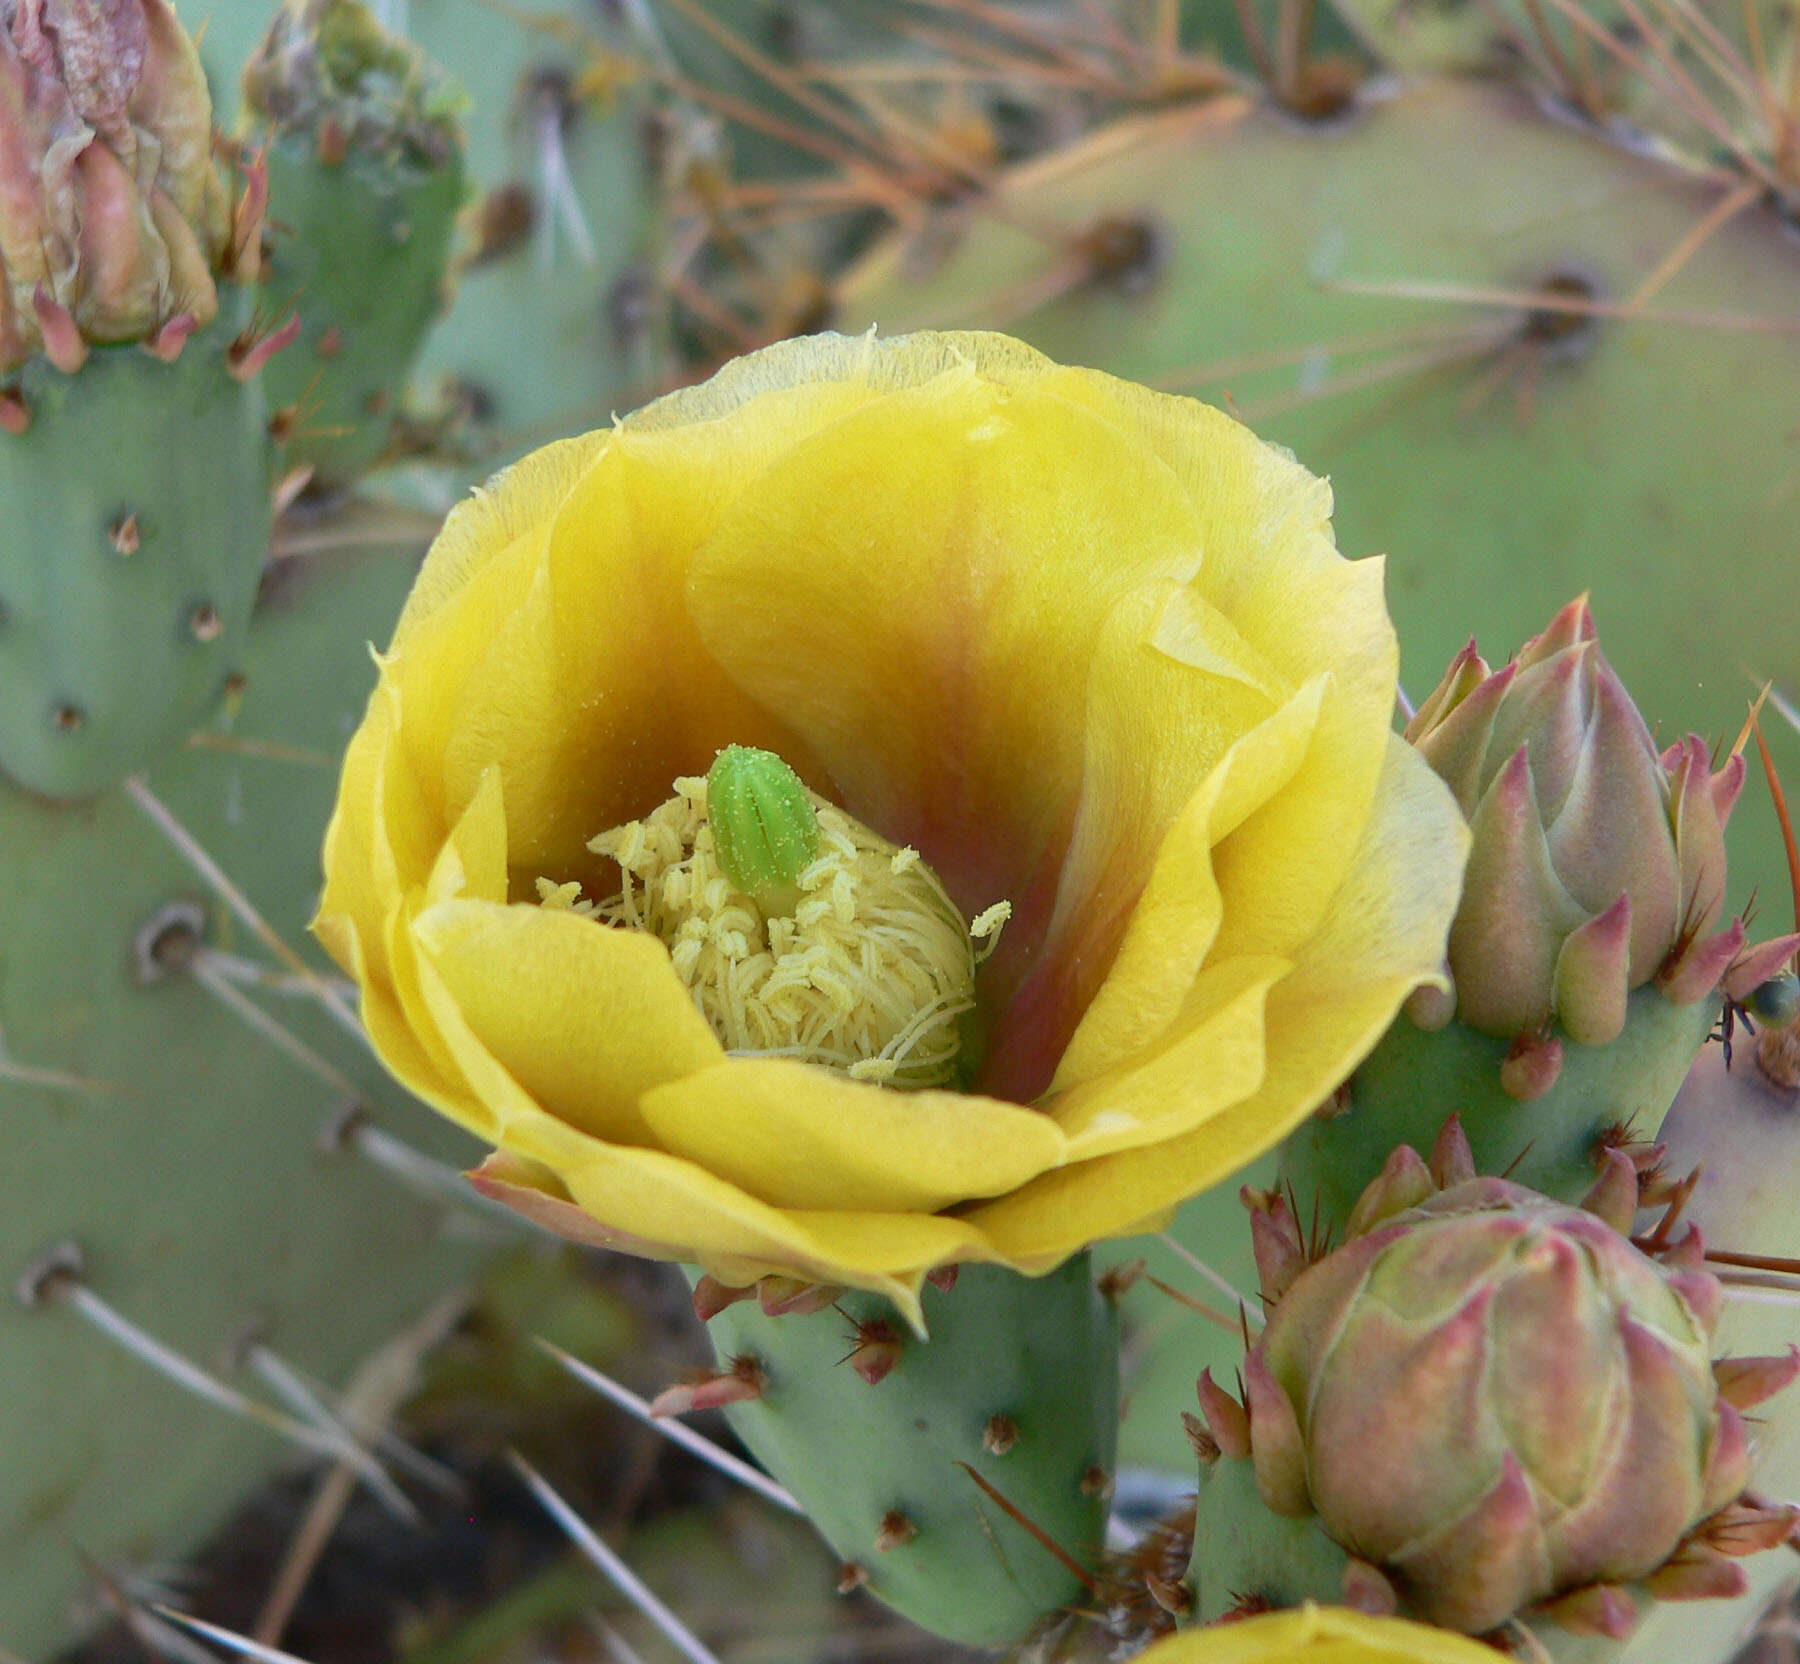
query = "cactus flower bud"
x=1496 y=1401
x=114 y=221
x=1598 y=864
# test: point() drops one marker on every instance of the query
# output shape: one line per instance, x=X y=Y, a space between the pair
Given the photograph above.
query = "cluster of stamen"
x=870 y=973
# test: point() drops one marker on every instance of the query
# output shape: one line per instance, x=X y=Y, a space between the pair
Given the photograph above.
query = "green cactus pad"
x=1414 y=1079
x=879 y=1463
x=179 y=1148
x=545 y=335
x=1244 y=1552
x=365 y=182
x=137 y=513
x=1499 y=472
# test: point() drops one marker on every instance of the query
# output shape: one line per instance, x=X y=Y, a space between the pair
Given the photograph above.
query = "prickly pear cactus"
x=886 y=1437
x=183 y=1149
x=364 y=153
x=134 y=470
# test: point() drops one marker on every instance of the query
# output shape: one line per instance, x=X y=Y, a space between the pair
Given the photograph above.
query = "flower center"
x=798 y=931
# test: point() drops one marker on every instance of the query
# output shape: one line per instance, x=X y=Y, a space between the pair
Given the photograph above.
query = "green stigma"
x=765 y=830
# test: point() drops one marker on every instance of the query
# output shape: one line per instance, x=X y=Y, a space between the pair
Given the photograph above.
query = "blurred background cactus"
x=1525 y=280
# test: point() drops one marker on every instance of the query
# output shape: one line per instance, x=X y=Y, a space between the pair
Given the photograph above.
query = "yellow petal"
x=918 y=590
x=1210 y=1057
x=803 y=1137
x=1382 y=936
x=443 y=1082
x=513 y=505
x=439 y=675
x=381 y=839
x=472 y=861
x=1273 y=569
x=1176 y=924
x=1171 y=689
x=583 y=1018
x=662 y=1198
x=863 y=364
x=1318 y=1635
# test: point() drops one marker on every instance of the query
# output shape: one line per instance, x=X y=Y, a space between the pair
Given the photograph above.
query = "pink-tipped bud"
x=1595 y=858
x=1274 y=1240
x=1614 y=1196
x=1452 y=1161
x=1696 y=969
x=1749 y=1526
x=793 y=1296
x=1493 y=1400
x=712 y=1297
x=1226 y=1419
x=1403 y=1182
x=1757 y=965
x=1599 y=1609
x=1746 y=1382
x=1368 y=1589
x=248 y=353
x=1531 y=1067
x=113 y=216
x=876 y=1349
x=743 y=1381
x=1698 y=1574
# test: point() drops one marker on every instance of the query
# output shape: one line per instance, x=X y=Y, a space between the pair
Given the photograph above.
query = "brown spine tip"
x=1200 y=1441
x=67 y=719
x=896 y=1532
x=1095 y=1480
x=1172 y=1595
x=1000 y=1435
x=330 y=342
x=1120 y=1280
x=248 y=353
x=851 y=1577
x=123 y=534
x=204 y=623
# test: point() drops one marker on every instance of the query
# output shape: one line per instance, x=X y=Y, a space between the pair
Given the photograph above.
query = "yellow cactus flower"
x=1319 y=1635
x=1118 y=866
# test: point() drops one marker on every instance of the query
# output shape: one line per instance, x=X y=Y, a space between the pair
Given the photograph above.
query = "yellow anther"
x=869 y=971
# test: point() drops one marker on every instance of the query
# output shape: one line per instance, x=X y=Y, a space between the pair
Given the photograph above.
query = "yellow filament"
x=870 y=975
